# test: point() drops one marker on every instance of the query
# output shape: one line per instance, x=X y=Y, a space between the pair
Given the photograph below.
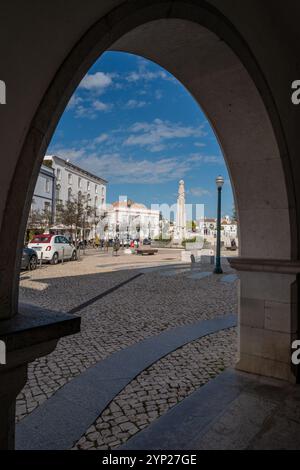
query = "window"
x=79 y=182
x=88 y=186
x=96 y=188
x=47 y=206
x=70 y=178
x=41 y=239
x=96 y=201
x=47 y=185
x=69 y=194
x=102 y=191
x=58 y=174
x=102 y=201
x=57 y=195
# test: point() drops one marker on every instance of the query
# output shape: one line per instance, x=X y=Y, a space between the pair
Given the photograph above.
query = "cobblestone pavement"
x=144 y=307
x=159 y=388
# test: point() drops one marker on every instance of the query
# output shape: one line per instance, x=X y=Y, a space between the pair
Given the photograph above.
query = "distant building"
x=208 y=227
x=44 y=192
x=229 y=232
x=129 y=220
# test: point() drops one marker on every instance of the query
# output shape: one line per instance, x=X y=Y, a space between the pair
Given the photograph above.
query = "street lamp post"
x=218 y=268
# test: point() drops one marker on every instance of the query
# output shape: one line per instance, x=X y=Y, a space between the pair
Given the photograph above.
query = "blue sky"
x=134 y=124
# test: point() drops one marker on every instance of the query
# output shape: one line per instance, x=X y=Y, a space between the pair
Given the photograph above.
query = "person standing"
x=116 y=247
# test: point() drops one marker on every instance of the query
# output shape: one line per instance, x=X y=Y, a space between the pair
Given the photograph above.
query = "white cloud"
x=133 y=104
x=198 y=157
x=100 y=106
x=97 y=82
x=102 y=138
x=143 y=74
x=91 y=109
x=200 y=144
x=154 y=134
x=199 y=192
x=85 y=112
x=120 y=169
x=69 y=153
x=158 y=147
x=74 y=101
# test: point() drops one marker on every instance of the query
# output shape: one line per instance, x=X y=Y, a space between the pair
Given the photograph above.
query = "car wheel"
x=74 y=256
x=32 y=263
x=54 y=259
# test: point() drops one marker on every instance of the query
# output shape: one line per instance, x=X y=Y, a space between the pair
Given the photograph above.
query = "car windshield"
x=41 y=239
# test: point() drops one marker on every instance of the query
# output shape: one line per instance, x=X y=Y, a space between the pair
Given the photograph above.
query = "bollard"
x=41 y=259
x=63 y=256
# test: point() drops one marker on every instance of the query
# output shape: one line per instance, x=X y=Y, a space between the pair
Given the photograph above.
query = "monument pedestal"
x=186 y=255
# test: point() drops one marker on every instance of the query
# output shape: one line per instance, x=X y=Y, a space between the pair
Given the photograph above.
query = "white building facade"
x=73 y=181
x=44 y=192
x=130 y=221
x=230 y=233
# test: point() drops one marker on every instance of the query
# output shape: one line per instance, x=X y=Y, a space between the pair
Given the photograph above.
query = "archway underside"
x=220 y=83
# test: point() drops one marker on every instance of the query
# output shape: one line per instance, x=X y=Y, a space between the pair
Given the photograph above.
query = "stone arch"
x=222 y=86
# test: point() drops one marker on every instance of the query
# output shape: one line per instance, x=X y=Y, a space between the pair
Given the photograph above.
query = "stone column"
x=12 y=382
x=268 y=316
x=30 y=334
x=181 y=215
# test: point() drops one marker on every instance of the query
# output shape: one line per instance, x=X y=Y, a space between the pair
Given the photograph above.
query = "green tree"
x=74 y=214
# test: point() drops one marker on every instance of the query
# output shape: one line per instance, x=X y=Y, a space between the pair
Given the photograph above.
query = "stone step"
x=227 y=413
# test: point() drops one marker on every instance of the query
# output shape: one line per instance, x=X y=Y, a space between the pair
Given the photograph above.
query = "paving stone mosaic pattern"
x=145 y=307
x=159 y=388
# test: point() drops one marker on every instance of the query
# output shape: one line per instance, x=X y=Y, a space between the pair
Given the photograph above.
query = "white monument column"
x=181 y=216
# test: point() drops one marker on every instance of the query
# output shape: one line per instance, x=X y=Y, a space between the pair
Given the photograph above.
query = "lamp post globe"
x=218 y=268
x=219 y=182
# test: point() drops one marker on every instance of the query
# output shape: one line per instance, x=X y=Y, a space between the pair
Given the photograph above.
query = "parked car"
x=29 y=259
x=146 y=241
x=53 y=248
